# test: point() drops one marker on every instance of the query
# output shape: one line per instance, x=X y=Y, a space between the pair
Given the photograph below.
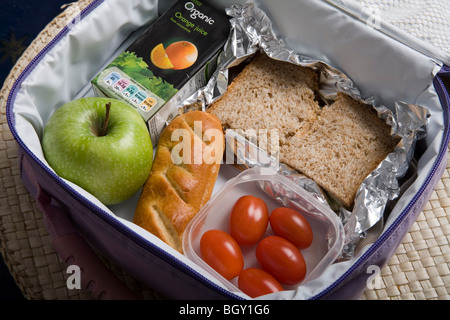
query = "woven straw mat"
x=418 y=270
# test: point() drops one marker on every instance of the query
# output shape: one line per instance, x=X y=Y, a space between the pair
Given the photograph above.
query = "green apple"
x=111 y=165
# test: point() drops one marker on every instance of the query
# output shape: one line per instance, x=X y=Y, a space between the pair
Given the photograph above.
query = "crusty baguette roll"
x=181 y=183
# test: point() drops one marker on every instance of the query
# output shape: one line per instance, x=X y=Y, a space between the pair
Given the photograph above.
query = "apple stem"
x=105 y=124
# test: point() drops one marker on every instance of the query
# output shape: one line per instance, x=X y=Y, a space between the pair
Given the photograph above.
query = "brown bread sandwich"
x=337 y=146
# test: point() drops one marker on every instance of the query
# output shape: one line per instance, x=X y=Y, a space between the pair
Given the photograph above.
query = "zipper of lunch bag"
x=192 y=273
x=133 y=236
x=443 y=95
x=425 y=49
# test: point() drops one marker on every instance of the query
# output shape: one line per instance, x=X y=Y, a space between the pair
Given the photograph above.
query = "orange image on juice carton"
x=178 y=55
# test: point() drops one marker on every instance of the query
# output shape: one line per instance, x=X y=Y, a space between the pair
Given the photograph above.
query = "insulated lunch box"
x=382 y=62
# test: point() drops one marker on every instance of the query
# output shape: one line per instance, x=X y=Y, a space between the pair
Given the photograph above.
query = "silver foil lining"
x=251 y=31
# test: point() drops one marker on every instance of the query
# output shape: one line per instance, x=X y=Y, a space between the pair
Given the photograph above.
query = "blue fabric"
x=21 y=21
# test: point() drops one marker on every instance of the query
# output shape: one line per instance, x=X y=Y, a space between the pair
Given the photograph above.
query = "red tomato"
x=256 y=282
x=249 y=219
x=281 y=259
x=222 y=253
x=291 y=225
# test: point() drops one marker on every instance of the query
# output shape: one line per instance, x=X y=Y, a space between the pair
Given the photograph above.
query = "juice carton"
x=170 y=61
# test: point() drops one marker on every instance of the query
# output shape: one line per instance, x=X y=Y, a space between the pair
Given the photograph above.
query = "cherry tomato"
x=222 y=253
x=249 y=219
x=291 y=225
x=256 y=282
x=281 y=259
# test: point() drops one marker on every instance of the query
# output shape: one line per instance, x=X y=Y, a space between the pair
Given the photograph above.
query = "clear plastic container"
x=276 y=190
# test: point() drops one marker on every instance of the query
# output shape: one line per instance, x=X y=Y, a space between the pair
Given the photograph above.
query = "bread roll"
x=183 y=175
